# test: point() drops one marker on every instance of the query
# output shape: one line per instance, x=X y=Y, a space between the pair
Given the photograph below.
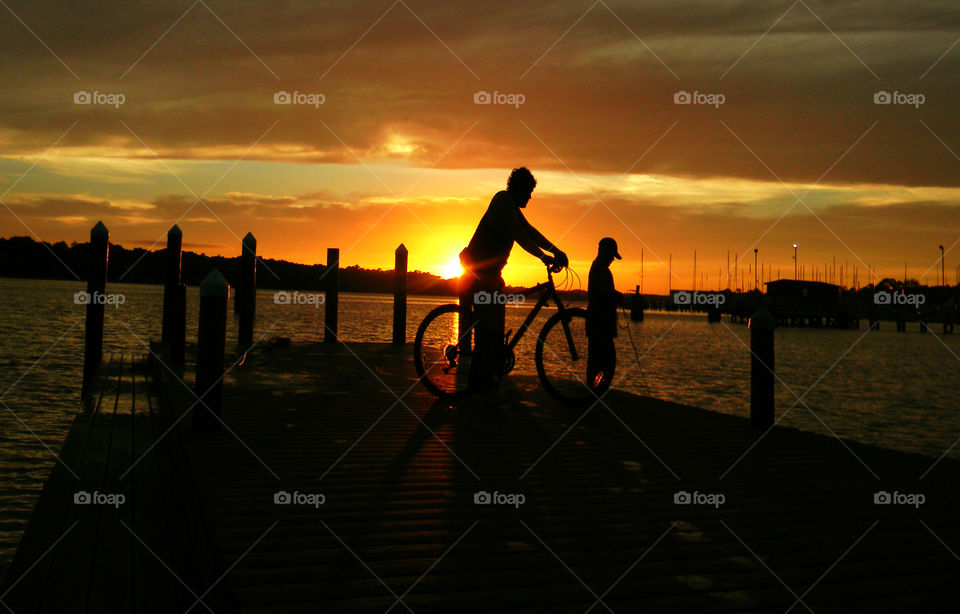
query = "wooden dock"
x=599 y=528
x=118 y=526
x=339 y=485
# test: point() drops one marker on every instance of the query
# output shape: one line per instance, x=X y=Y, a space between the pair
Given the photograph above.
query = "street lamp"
x=943 y=281
x=756 y=286
x=795 y=262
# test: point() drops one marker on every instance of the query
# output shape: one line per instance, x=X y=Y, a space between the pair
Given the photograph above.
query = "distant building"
x=789 y=297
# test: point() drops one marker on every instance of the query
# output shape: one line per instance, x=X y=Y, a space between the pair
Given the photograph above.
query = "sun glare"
x=451 y=269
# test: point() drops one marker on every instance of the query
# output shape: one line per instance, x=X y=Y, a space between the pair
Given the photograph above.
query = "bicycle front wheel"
x=442 y=367
x=561 y=358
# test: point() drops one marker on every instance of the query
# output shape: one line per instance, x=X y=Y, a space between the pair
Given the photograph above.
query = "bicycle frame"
x=547 y=291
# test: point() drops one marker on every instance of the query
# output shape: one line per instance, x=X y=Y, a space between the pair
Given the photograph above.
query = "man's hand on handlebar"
x=556 y=262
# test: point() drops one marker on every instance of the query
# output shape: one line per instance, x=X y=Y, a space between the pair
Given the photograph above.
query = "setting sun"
x=452 y=268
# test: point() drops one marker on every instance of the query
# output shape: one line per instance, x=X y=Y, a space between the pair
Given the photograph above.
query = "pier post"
x=211 y=341
x=465 y=314
x=636 y=306
x=762 y=325
x=96 y=287
x=400 y=295
x=171 y=281
x=247 y=289
x=178 y=325
x=332 y=300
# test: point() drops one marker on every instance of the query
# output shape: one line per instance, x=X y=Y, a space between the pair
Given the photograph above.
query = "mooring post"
x=400 y=295
x=171 y=281
x=332 y=299
x=178 y=325
x=211 y=340
x=762 y=325
x=636 y=306
x=96 y=287
x=465 y=314
x=247 y=289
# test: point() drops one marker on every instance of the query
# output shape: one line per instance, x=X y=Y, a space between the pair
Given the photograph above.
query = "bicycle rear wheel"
x=562 y=360
x=443 y=369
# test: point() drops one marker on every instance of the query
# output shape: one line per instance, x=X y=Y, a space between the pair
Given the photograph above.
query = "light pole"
x=795 y=262
x=756 y=286
x=942 y=280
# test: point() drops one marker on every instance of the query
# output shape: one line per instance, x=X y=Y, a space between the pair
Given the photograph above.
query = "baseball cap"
x=609 y=245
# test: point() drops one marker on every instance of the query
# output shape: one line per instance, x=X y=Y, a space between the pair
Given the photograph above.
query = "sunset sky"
x=798 y=151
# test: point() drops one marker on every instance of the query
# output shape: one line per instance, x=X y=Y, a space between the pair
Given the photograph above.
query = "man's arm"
x=541 y=241
x=518 y=225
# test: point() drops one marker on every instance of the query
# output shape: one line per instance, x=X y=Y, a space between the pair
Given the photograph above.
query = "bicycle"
x=443 y=348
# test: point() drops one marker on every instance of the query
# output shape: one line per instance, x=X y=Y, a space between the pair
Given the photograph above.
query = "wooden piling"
x=96 y=287
x=247 y=289
x=332 y=300
x=636 y=306
x=762 y=325
x=211 y=340
x=171 y=281
x=178 y=325
x=465 y=313
x=400 y=295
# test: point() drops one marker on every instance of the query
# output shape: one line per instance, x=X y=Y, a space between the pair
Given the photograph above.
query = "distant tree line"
x=26 y=258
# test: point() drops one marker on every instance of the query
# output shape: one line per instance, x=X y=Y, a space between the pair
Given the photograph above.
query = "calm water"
x=889 y=389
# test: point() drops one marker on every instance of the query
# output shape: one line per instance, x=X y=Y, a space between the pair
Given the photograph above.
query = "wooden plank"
x=73 y=561
x=52 y=517
x=111 y=580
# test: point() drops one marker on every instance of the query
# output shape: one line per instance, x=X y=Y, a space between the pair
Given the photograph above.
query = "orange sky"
x=398 y=151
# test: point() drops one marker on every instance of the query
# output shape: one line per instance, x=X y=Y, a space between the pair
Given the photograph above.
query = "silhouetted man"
x=483 y=261
x=602 y=301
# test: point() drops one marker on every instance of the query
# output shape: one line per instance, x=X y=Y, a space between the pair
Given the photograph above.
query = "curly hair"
x=521 y=179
